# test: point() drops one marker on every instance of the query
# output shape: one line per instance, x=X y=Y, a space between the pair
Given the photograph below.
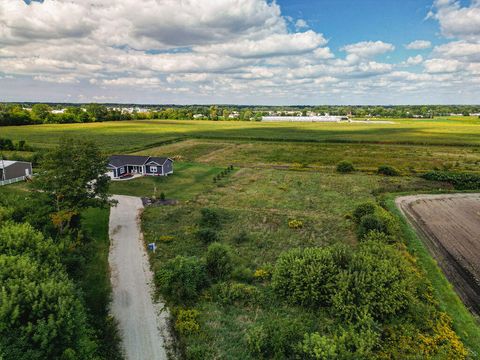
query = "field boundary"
x=464 y=322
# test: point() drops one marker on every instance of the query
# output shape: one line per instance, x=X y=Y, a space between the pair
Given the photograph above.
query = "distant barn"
x=125 y=165
x=14 y=171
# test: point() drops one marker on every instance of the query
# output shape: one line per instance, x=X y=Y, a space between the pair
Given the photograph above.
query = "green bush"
x=276 y=338
x=308 y=276
x=387 y=170
x=378 y=282
x=181 y=279
x=345 y=167
x=207 y=235
x=219 y=261
x=370 y=223
x=461 y=181
x=318 y=347
x=367 y=208
x=243 y=274
x=235 y=293
x=210 y=218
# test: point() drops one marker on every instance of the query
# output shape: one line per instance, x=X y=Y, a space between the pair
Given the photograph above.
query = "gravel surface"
x=450 y=225
x=142 y=323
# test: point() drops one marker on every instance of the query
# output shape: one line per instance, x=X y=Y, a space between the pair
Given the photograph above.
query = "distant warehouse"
x=14 y=171
x=325 y=118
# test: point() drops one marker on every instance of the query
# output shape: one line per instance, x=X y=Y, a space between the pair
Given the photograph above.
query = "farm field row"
x=137 y=135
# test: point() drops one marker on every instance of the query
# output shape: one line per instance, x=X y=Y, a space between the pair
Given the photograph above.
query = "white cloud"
x=419 y=45
x=366 y=49
x=414 y=60
x=438 y=66
x=301 y=24
x=457 y=21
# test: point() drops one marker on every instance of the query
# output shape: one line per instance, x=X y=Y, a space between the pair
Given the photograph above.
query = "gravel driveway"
x=141 y=321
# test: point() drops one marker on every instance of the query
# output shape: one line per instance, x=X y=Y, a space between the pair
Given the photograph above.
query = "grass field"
x=366 y=157
x=138 y=135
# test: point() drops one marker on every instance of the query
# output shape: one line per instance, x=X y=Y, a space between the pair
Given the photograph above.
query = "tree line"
x=28 y=114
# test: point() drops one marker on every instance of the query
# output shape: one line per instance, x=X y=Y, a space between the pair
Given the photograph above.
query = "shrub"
x=236 y=293
x=387 y=170
x=318 y=347
x=308 y=276
x=181 y=279
x=166 y=238
x=460 y=181
x=262 y=274
x=377 y=282
x=242 y=273
x=162 y=196
x=207 y=235
x=295 y=224
x=276 y=338
x=210 y=218
x=370 y=223
x=375 y=235
x=219 y=261
x=345 y=167
x=367 y=208
x=186 y=322
x=242 y=237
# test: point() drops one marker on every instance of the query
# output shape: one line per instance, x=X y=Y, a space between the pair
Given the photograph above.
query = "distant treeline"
x=28 y=113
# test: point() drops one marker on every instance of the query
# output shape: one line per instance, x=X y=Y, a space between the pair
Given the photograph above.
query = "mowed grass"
x=367 y=157
x=260 y=202
x=128 y=136
x=187 y=181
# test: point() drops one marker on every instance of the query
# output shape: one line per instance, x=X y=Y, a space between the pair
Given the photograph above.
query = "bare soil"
x=450 y=225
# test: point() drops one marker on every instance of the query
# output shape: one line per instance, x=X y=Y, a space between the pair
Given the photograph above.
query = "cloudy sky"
x=241 y=51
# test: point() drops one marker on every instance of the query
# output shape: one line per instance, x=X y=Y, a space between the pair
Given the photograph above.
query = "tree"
x=97 y=112
x=73 y=178
x=41 y=113
x=213 y=113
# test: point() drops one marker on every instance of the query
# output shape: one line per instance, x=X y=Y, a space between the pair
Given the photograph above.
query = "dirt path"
x=450 y=225
x=141 y=321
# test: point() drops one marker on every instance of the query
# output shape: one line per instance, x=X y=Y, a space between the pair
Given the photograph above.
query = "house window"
x=153 y=168
x=122 y=170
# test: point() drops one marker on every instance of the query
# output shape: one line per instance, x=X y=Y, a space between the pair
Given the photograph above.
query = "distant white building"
x=234 y=115
x=61 y=111
x=324 y=118
x=199 y=116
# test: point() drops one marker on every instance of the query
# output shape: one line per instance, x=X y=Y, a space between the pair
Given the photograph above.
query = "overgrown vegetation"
x=461 y=181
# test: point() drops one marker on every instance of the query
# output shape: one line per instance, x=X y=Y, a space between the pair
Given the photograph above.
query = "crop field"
x=451 y=227
x=142 y=134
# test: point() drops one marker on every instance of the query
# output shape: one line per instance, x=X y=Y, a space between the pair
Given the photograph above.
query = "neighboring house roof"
x=135 y=160
x=6 y=163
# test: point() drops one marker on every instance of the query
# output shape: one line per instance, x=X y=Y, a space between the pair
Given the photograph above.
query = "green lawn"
x=137 y=135
x=187 y=181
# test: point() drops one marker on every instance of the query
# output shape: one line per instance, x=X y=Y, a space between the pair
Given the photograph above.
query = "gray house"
x=124 y=165
x=14 y=171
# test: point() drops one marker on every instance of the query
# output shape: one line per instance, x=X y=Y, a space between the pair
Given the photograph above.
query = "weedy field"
x=284 y=193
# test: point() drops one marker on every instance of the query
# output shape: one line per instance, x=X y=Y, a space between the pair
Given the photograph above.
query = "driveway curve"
x=142 y=323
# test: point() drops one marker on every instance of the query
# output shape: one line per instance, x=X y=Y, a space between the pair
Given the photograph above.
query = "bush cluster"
x=187 y=321
x=219 y=261
x=371 y=217
x=345 y=167
x=460 y=181
x=9 y=145
x=210 y=222
x=295 y=224
x=387 y=170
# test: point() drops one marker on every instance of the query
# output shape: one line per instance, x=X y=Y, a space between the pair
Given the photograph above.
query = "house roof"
x=6 y=163
x=136 y=160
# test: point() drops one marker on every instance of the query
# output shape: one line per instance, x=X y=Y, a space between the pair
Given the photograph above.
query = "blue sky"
x=241 y=51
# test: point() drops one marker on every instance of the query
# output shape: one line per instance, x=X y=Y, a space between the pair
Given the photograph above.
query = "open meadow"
x=284 y=193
